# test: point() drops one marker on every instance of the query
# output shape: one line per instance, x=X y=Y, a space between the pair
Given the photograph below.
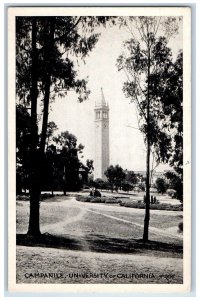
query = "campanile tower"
x=101 y=161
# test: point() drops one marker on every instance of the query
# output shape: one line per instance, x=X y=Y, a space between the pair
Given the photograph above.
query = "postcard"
x=99 y=154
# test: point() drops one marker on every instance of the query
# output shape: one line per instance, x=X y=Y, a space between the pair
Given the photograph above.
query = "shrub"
x=83 y=198
x=112 y=200
x=180 y=227
x=95 y=200
x=46 y=196
x=22 y=197
x=155 y=206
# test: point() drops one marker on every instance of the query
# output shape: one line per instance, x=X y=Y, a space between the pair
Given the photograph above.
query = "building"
x=153 y=176
x=101 y=158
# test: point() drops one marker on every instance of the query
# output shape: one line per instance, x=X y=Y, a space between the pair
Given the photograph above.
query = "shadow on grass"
x=99 y=243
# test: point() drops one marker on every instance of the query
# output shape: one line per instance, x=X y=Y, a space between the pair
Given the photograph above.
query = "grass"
x=127 y=203
x=157 y=206
x=103 y=244
x=81 y=237
x=103 y=199
x=69 y=263
x=155 y=220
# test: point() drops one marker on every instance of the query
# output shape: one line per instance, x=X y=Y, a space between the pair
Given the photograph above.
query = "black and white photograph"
x=99 y=148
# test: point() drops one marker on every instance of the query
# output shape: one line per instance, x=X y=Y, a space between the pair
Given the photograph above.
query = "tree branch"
x=66 y=34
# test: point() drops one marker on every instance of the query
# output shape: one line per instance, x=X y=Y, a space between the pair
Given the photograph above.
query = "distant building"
x=101 y=160
x=153 y=176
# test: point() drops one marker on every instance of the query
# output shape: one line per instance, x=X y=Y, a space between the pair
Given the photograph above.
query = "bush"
x=180 y=227
x=155 y=206
x=126 y=186
x=131 y=204
x=113 y=200
x=46 y=196
x=22 y=197
x=97 y=199
x=83 y=198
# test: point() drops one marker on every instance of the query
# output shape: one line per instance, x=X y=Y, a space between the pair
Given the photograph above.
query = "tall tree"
x=45 y=52
x=131 y=177
x=161 y=185
x=23 y=142
x=115 y=176
x=146 y=60
x=69 y=162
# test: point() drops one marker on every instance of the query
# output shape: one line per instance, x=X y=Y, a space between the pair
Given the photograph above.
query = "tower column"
x=101 y=161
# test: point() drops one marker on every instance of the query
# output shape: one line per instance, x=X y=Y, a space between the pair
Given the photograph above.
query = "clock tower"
x=101 y=161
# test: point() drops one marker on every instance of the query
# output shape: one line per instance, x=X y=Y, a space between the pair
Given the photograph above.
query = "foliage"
x=89 y=165
x=100 y=184
x=156 y=206
x=51 y=128
x=165 y=97
x=131 y=177
x=23 y=132
x=68 y=161
x=180 y=227
x=161 y=185
x=116 y=176
x=103 y=199
x=130 y=181
x=126 y=186
x=148 y=66
x=175 y=183
x=46 y=52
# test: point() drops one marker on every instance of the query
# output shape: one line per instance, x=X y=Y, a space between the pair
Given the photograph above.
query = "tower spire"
x=103 y=102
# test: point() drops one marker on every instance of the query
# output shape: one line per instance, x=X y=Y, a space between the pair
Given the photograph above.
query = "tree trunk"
x=34 y=218
x=147 y=200
x=48 y=49
x=34 y=224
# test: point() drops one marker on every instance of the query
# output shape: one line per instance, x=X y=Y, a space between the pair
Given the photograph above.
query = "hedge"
x=97 y=199
x=156 y=206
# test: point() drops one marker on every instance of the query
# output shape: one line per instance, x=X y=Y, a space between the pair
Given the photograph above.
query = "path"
x=65 y=217
x=99 y=209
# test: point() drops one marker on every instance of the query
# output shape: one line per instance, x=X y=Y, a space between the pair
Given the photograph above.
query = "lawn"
x=96 y=238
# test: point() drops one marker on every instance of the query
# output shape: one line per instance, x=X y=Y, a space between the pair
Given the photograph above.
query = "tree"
x=161 y=185
x=115 y=175
x=45 y=52
x=99 y=183
x=69 y=162
x=51 y=170
x=175 y=183
x=51 y=128
x=173 y=104
x=131 y=177
x=147 y=63
x=23 y=142
x=88 y=167
x=129 y=181
x=126 y=186
x=141 y=186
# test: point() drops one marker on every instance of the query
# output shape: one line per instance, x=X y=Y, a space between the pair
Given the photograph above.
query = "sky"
x=126 y=143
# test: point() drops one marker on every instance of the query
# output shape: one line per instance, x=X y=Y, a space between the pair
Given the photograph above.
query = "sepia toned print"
x=100 y=171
